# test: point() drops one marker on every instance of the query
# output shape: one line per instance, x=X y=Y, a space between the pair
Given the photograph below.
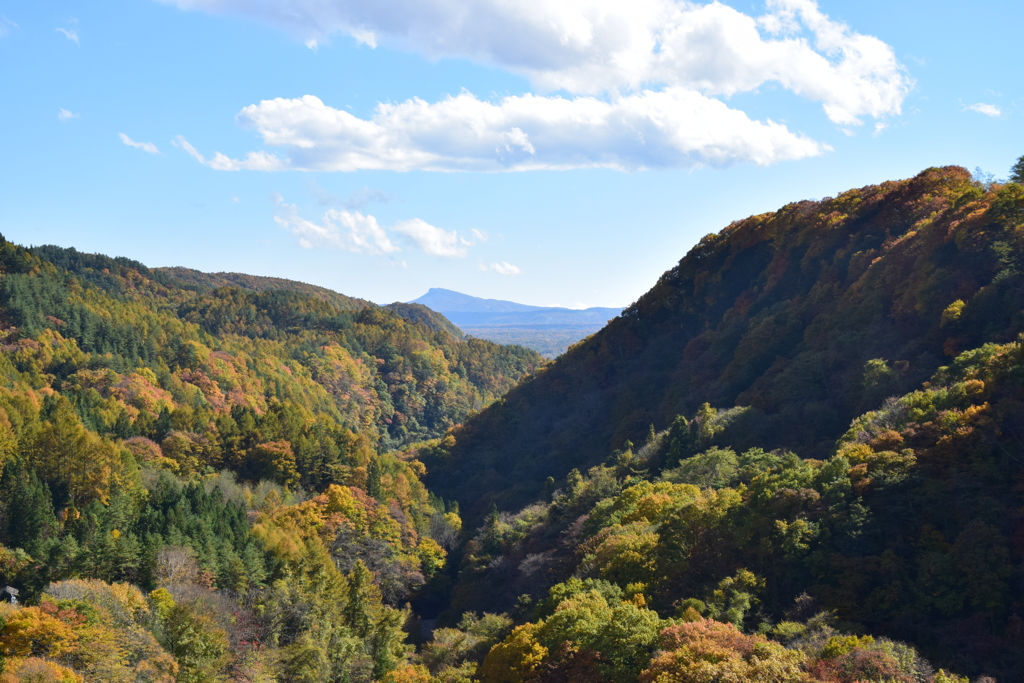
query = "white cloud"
x=363 y=234
x=595 y=47
x=69 y=33
x=986 y=109
x=348 y=230
x=66 y=115
x=144 y=146
x=254 y=161
x=501 y=268
x=479 y=235
x=671 y=128
x=432 y=240
x=644 y=79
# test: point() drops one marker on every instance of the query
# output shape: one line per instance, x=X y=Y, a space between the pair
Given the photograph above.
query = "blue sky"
x=548 y=153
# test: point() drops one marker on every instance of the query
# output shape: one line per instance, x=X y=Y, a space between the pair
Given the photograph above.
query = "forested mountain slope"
x=99 y=326
x=201 y=482
x=200 y=281
x=911 y=531
x=195 y=479
x=780 y=313
x=421 y=314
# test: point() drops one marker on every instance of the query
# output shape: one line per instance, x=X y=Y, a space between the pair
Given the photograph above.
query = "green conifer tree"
x=373 y=480
x=1017 y=171
x=30 y=518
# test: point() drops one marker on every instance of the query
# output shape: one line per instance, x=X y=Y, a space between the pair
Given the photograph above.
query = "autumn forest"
x=798 y=458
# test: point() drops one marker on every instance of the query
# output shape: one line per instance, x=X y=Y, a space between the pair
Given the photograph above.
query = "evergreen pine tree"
x=681 y=442
x=373 y=483
x=163 y=425
x=1017 y=171
x=30 y=518
x=363 y=600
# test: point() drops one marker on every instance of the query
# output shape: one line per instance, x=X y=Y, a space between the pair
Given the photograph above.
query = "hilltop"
x=257 y=283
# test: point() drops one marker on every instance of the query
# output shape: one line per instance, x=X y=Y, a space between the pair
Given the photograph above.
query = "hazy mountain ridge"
x=463 y=309
x=441 y=299
x=549 y=330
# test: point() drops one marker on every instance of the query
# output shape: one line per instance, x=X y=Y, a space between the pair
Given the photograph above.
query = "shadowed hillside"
x=911 y=531
x=780 y=313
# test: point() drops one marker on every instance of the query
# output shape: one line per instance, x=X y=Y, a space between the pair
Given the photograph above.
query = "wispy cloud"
x=359 y=199
x=501 y=268
x=66 y=115
x=254 y=161
x=323 y=197
x=5 y=26
x=365 y=196
x=144 y=146
x=69 y=33
x=986 y=109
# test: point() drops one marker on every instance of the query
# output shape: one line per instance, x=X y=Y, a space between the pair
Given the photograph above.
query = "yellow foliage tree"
x=31 y=632
x=36 y=670
x=515 y=659
x=706 y=650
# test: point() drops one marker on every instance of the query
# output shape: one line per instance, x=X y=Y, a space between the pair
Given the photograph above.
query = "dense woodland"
x=780 y=313
x=231 y=446
x=909 y=533
x=799 y=458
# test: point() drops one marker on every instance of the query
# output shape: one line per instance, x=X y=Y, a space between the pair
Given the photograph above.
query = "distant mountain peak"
x=550 y=330
x=449 y=301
